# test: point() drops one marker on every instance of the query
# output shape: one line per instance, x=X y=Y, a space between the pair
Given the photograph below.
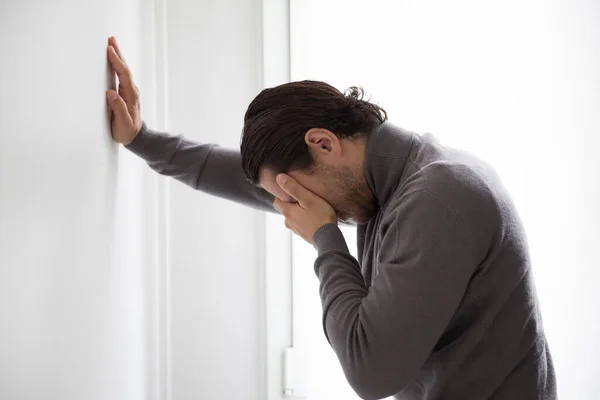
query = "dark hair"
x=278 y=118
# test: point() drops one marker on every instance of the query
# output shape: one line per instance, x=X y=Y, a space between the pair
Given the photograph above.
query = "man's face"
x=341 y=186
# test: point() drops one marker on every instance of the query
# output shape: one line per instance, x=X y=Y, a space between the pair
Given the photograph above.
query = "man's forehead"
x=265 y=176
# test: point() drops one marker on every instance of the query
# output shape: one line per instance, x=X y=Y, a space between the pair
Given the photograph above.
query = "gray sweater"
x=440 y=303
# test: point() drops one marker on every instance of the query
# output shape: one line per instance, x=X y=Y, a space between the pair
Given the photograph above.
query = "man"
x=440 y=303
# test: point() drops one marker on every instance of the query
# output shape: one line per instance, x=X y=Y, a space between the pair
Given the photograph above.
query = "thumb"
x=118 y=106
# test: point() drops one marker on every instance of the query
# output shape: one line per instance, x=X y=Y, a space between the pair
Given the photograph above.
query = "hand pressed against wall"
x=126 y=119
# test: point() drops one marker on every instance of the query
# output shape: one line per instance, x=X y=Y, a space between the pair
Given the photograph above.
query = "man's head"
x=316 y=134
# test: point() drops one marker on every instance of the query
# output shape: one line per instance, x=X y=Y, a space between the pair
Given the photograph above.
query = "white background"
x=517 y=83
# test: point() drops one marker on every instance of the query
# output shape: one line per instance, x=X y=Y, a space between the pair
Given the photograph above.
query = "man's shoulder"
x=464 y=184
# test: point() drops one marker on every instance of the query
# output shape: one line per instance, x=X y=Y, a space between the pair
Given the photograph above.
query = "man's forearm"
x=205 y=167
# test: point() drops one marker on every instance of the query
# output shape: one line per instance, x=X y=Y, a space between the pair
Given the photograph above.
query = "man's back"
x=493 y=346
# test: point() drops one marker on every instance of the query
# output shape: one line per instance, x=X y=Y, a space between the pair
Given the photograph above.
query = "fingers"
x=298 y=192
x=120 y=67
x=127 y=88
x=285 y=208
x=280 y=206
x=113 y=42
x=118 y=106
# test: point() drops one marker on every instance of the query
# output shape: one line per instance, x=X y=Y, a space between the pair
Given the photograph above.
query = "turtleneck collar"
x=388 y=149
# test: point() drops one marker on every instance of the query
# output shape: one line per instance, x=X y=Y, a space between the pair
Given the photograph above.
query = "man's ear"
x=322 y=141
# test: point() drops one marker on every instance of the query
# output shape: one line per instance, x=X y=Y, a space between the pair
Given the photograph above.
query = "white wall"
x=74 y=261
x=216 y=247
x=115 y=282
x=518 y=83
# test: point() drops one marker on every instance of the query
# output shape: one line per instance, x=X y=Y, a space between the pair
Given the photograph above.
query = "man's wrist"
x=329 y=237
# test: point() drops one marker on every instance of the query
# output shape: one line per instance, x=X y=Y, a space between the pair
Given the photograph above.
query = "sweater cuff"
x=329 y=237
x=141 y=141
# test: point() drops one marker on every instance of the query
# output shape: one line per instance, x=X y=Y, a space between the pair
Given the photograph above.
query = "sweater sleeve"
x=205 y=167
x=384 y=333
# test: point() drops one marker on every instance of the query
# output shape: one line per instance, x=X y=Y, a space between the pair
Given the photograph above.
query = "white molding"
x=162 y=112
x=275 y=42
x=154 y=100
x=278 y=240
x=261 y=267
x=262 y=240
